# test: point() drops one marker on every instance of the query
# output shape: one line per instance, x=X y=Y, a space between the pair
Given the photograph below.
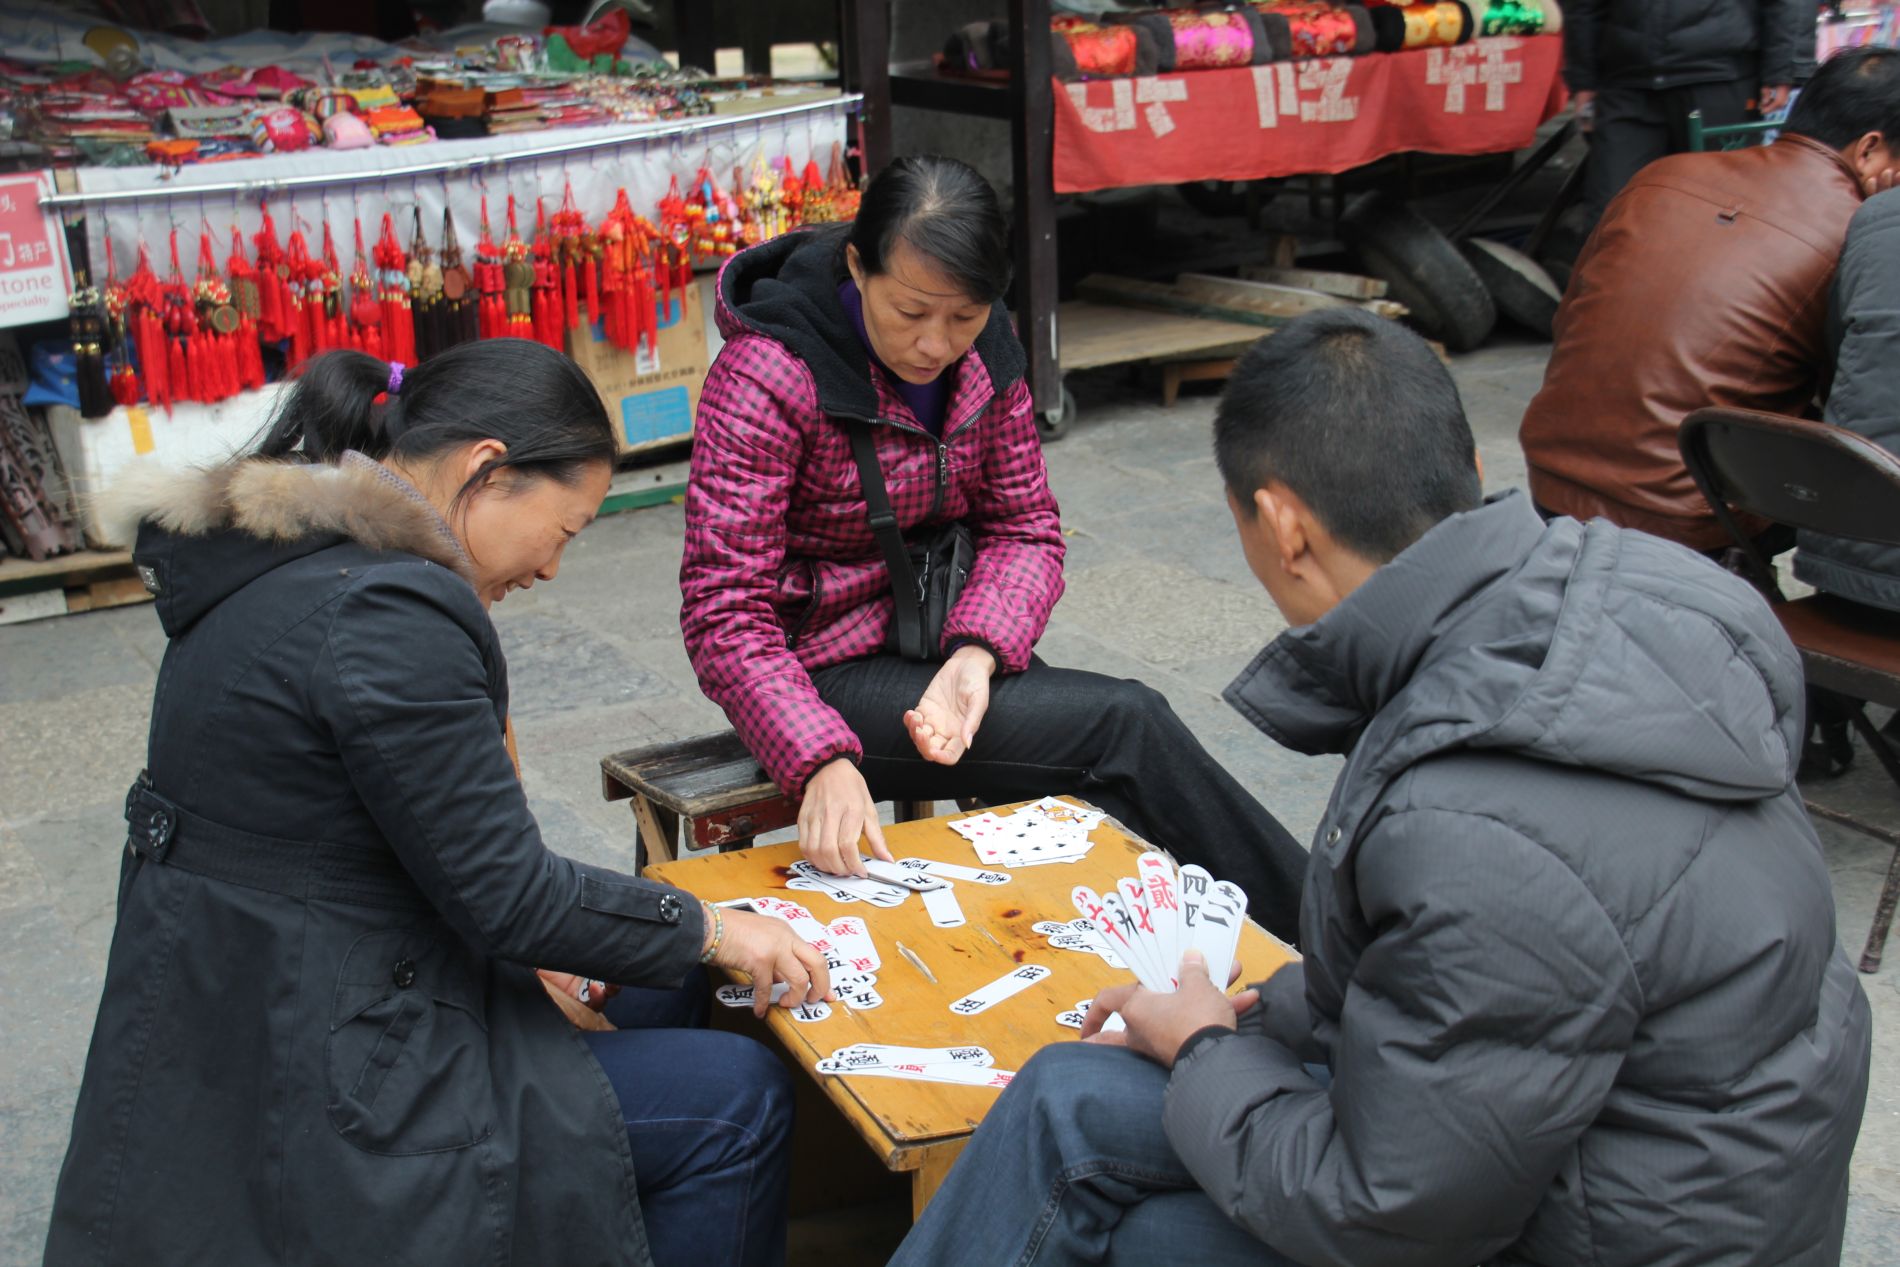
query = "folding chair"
x=1827 y=480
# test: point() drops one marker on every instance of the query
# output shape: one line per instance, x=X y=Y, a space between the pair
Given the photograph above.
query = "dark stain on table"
x=1019 y=955
x=1012 y=913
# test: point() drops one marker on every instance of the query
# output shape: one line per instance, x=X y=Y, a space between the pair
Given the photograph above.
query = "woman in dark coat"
x=322 y=1039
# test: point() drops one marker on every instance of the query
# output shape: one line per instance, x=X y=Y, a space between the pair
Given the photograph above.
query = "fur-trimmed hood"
x=204 y=533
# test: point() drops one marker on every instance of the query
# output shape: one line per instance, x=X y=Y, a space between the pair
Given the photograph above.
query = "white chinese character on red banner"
x=1124 y=95
x=1312 y=92
x=1488 y=62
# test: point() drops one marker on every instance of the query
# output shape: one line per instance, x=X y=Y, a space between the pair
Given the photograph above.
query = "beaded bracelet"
x=719 y=931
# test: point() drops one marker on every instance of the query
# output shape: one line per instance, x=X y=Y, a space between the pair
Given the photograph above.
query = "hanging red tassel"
x=395 y=293
x=489 y=282
x=246 y=299
x=296 y=322
x=273 y=319
x=517 y=281
x=122 y=380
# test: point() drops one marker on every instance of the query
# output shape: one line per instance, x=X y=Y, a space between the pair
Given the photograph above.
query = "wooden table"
x=920 y=1127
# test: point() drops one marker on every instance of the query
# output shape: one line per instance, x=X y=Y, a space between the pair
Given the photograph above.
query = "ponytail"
x=330 y=409
x=533 y=399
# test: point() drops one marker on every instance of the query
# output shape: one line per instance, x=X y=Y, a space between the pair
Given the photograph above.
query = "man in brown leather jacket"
x=1706 y=284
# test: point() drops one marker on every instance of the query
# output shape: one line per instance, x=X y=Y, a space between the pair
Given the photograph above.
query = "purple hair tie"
x=395 y=377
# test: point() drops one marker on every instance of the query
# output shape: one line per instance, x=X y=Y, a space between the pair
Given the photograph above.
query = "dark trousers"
x=709 y=1119
x=1637 y=126
x=1112 y=742
x=1072 y=1167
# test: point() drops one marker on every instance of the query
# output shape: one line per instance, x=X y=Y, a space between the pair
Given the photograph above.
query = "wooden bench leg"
x=927 y=1178
x=912 y=811
x=659 y=832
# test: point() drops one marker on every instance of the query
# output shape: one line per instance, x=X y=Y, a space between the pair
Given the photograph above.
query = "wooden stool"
x=712 y=784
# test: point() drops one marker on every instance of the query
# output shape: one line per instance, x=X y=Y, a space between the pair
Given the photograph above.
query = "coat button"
x=159 y=829
x=670 y=908
x=1332 y=837
x=404 y=973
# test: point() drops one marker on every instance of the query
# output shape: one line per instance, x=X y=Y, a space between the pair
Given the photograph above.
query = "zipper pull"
x=943 y=466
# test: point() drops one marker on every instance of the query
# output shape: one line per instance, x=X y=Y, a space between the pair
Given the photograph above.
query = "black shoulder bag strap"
x=908 y=599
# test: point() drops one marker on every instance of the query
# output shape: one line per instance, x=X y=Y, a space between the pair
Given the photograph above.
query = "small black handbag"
x=926 y=578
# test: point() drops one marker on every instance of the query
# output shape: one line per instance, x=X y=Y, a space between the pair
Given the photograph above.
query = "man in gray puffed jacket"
x=1572 y=991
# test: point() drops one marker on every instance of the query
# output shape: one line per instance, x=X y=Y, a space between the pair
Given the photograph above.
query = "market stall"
x=1288 y=87
x=207 y=227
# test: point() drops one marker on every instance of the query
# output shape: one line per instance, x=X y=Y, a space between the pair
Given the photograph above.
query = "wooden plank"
x=691 y=777
x=658 y=836
x=903 y=1123
x=64 y=570
x=1133 y=293
x=1094 y=335
x=1273 y=297
x=1345 y=285
x=1266 y=297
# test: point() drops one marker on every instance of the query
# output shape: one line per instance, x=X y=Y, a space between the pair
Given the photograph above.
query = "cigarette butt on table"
x=916 y=963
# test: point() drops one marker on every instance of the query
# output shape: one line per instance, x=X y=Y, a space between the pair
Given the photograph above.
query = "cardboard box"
x=652 y=396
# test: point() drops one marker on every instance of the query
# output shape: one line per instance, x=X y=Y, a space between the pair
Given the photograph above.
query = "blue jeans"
x=1072 y=1166
x=709 y=1119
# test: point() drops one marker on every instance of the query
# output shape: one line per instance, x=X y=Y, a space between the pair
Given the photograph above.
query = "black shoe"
x=1828 y=753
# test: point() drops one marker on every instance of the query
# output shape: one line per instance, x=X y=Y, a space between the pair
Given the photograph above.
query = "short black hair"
x=945 y=210
x=1356 y=415
x=1855 y=92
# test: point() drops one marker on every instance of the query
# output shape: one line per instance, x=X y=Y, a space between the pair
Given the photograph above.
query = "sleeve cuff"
x=1201 y=1038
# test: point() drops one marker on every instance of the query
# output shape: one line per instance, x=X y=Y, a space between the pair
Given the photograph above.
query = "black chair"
x=1828 y=480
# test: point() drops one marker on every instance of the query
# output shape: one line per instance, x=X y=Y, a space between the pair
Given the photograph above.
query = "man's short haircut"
x=1357 y=416
x=1855 y=92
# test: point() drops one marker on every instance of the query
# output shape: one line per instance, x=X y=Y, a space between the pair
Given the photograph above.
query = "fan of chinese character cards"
x=1155 y=916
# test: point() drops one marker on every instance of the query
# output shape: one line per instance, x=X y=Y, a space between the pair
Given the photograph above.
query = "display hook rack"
x=850 y=103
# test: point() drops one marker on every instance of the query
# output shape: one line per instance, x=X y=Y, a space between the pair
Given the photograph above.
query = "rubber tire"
x=1225 y=197
x=1053 y=428
x=1424 y=271
x=1519 y=286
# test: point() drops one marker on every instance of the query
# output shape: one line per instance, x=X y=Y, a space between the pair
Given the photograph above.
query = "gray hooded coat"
x=1864 y=328
x=1570 y=938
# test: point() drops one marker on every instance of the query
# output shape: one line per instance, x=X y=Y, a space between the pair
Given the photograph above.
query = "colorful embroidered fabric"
x=1512 y=17
x=1318 y=30
x=1098 y=50
x=1210 y=39
x=1436 y=25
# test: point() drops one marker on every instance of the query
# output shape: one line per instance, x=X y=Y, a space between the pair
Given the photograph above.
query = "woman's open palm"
x=945 y=721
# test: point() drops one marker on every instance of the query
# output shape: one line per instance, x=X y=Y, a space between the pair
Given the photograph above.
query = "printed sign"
x=35 y=278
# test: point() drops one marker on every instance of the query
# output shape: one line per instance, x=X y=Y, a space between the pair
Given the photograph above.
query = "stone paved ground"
x=1157 y=590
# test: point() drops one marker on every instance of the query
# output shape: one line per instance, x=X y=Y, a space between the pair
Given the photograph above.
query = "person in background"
x=1706 y=284
x=1572 y=990
x=1637 y=68
x=1864 y=329
x=895 y=325
x=321 y=1036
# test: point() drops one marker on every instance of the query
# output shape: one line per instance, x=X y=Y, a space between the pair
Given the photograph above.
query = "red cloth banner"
x=1294 y=118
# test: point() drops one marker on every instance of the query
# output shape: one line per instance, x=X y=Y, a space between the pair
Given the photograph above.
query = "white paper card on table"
x=954 y=871
x=734 y=995
x=870 y=1055
x=1071 y=1019
x=806 y=1013
x=875 y=892
x=799 y=917
x=942 y=906
x=1061 y=812
x=861 y=997
x=912 y=878
x=853 y=943
x=1002 y=988
x=966 y=1075
x=804 y=884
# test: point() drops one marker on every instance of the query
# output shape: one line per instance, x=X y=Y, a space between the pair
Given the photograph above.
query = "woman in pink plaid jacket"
x=897 y=324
